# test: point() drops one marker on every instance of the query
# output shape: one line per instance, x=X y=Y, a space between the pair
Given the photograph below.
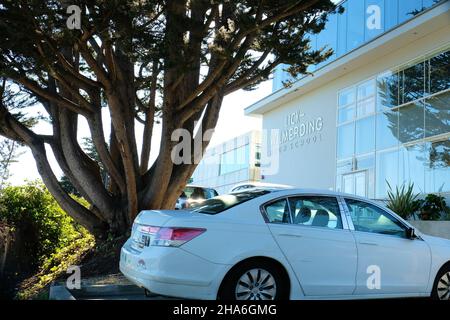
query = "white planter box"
x=433 y=228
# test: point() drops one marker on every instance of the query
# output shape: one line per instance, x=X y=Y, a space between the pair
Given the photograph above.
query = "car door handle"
x=290 y=235
x=369 y=243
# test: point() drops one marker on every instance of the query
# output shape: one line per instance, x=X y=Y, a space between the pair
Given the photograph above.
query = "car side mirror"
x=411 y=233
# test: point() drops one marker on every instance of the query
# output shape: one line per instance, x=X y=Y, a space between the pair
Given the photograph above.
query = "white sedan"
x=269 y=244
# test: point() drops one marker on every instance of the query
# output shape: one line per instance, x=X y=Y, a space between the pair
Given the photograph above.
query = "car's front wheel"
x=255 y=280
x=441 y=288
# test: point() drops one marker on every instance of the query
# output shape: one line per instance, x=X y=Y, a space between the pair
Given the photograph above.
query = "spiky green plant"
x=403 y=200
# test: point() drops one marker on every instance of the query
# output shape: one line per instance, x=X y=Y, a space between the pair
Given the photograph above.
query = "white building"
x=232 y=162
x=378 y=111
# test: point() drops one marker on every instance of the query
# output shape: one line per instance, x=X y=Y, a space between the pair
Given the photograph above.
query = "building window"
x=439 y=69
x=386 y=129
x=411 y=166
x=234 y=160
x=357 y=25
x=365 y=135
x=405 y=138
x=413 y=83
x=386 y=171
x=387 y=90
x=437 y=114
x=437 y=173
x=408 y=9
x=346 y=137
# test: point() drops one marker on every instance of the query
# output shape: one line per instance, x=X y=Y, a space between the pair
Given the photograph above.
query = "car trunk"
x=154 y=218
x=159 y=218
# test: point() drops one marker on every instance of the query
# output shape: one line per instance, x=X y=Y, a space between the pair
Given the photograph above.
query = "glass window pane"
x=391 y=13
x=412 y=166
x=278 y=212
x=346 y=141
x=342 y=32
x=429 y=3
x=437 y=170
x=344 y=166
x=328 y=36
x=365 y=135
x=386 y=170
x=387 y=91
x=316 y=212
x=347 y=114
x=413 y=83
x=440 y=72
x=375 y=18
x=366 y=107
x=387 y=129
x=355 y=23
x=367 y=163
x=408 y=9
x=437 y=114
x=369 y=218
x=366 y=89
x=411 y=122
x=346 y=97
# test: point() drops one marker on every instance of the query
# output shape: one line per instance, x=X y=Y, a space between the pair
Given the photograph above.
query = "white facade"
x=232 y=162
x=311 y=115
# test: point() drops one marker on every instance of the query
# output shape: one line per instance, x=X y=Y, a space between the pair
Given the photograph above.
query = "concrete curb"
x=107 y=290
x=58 y=292
x=102 y=292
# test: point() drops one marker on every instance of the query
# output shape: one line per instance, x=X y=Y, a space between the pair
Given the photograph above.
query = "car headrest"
x=303 y=215
x=321 y=218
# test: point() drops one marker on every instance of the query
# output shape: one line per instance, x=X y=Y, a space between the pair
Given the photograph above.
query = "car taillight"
x=170 y=236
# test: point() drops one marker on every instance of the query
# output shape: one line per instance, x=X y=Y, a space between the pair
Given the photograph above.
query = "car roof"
x=293 y=190
x=198 y=186
x=261 y=184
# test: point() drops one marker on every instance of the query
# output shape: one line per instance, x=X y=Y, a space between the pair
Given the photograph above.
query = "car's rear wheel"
x=441 y=288
x=255 y=280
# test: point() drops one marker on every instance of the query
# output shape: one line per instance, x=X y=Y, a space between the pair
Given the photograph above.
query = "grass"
x=36 y=287
x=96 y=259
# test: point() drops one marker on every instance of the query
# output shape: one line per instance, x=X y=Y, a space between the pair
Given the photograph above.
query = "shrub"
x=42 y=225
x=433 y=207
x=403 y=201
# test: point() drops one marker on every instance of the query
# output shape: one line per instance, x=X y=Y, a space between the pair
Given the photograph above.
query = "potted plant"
x=403 y=200
x=433 y=207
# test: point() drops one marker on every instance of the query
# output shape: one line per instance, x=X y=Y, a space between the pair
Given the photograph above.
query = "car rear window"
x=227 y=201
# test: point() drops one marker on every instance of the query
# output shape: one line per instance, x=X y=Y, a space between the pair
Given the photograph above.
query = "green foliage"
x=433 y=207
x=403 y=201
x=68 y=186
x=53 y=241
x=55 y=266
x=43 y=225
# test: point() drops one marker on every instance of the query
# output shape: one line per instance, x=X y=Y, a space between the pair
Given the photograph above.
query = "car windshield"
x=224 y=202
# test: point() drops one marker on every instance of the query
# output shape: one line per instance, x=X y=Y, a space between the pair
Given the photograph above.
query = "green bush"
x=433 y=207
x=43 y=226
x=403 y=201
